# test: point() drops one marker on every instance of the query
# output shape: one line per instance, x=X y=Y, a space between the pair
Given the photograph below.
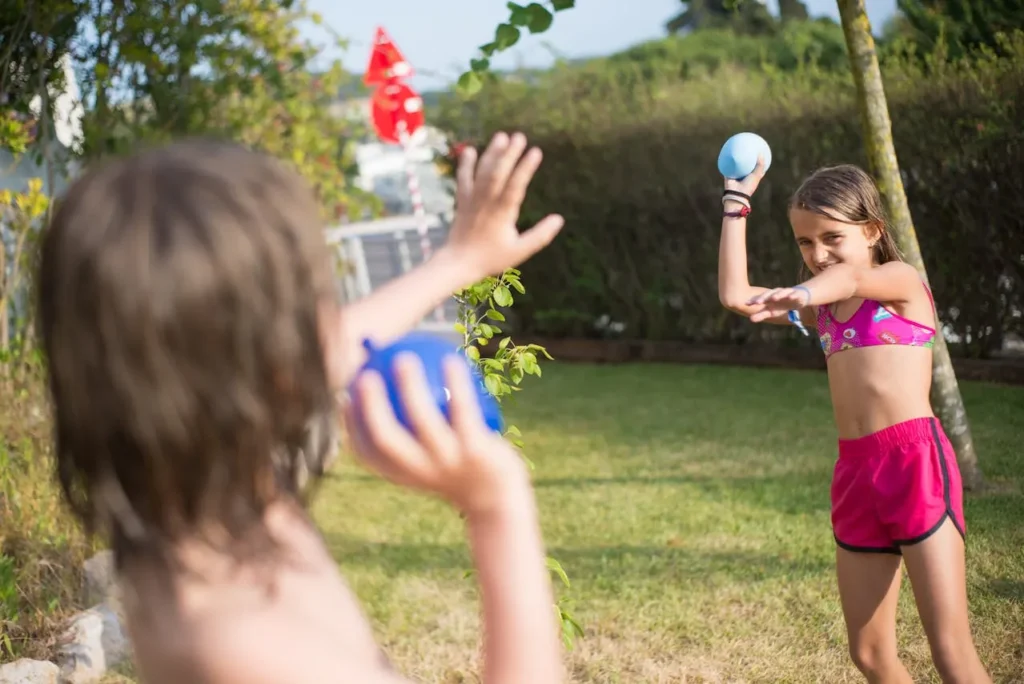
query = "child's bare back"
x=235 y=624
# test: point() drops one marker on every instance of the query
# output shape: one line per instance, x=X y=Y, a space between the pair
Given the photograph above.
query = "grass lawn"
x=690 y=507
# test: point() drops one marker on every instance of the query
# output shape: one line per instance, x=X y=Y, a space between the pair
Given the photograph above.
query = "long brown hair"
x=179 y=296
x=847 y=193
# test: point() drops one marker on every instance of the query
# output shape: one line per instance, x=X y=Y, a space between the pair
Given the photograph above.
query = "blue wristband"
x=804 y=288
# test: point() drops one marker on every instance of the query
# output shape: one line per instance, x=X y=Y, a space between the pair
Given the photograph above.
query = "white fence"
x=374 y=252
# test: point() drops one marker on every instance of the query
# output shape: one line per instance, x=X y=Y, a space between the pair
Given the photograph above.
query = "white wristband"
x=737 y=199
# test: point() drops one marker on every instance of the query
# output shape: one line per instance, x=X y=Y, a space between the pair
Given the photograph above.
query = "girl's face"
x=826 y=242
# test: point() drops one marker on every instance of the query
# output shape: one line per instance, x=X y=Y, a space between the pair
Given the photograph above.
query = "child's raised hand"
x=489 y=196
x=749 y=184
x=778 y=301
x=464 y=462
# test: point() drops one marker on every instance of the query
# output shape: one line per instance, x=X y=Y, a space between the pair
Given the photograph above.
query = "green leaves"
x=503 y=371
x=470 y=83
x=534 y=17
x=505 y=368
x=539 y=18
x=519 y=15
x=556 y=567
x=506 y=36
x=494 y=384
x=502 y=296
x=571 y=629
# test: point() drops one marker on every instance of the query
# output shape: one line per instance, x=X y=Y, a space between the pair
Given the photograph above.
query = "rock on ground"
x=93 y=644
x=99 y=578
x=26 y=671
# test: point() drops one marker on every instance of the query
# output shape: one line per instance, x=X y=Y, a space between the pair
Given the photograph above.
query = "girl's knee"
x=873 y=657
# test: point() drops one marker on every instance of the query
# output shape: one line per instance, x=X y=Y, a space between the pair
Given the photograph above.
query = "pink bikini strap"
x=931 y=298
x=935 y=311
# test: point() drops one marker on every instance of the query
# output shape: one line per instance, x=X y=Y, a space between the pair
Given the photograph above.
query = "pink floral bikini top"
x=871 y=325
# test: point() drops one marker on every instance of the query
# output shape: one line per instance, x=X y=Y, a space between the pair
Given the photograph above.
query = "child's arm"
x=892 y=282
x=483 y=241
x=734 y=288
x=482 y=476
x=895 y=281
x=515 y=588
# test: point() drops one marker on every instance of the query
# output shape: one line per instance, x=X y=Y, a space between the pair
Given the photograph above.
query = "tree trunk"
x=874 y=111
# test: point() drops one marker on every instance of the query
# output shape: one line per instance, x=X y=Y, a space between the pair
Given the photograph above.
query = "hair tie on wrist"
x=806 y=290
x=737 y=193
x=737 y=200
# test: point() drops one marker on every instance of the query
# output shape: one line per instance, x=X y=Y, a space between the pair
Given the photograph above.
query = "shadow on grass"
x=797 y=493
x=1007 y=588
x=595 y=564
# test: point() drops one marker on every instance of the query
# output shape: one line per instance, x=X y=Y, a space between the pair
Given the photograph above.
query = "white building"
x=384 y=168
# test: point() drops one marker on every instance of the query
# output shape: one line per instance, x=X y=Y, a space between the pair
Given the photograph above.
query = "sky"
x=439 y=37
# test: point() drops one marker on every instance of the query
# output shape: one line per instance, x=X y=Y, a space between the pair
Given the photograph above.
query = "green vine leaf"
x=502 y=297
x=506 y=36
x=519 y=16
x=539 y=18
x=469 y=83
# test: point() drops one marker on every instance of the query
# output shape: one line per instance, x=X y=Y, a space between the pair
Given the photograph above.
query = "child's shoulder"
x=269 y=647
x=287 y=619
x=288 y=638
x=899 y=268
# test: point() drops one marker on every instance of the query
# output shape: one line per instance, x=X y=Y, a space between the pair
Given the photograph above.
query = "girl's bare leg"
x=938 y=577
x=869 y=588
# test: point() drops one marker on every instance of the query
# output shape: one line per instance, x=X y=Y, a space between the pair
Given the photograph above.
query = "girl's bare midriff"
x=873 y=388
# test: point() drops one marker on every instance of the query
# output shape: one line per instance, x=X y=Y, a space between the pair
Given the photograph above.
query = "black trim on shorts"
x=921 y=537
x=947 y=500
x=894 y=550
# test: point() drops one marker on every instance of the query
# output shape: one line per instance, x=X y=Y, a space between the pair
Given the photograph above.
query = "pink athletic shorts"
x=895 y=487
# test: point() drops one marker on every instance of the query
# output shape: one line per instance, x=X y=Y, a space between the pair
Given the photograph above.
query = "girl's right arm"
x=734 y=288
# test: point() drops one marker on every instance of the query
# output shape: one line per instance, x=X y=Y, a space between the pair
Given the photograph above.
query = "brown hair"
x=847 y=193
x=179 y=291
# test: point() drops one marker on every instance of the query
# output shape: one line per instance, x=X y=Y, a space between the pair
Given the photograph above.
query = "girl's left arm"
x=892 y=282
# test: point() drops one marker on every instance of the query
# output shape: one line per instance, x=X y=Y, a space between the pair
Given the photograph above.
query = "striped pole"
x=416 y=194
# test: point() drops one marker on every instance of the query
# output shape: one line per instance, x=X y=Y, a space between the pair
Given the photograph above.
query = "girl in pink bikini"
x=896 y=490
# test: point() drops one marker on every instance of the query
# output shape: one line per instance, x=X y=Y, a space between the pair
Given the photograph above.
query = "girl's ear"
x=873 y=232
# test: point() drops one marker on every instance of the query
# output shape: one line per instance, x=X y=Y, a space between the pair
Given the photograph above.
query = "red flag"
x=386 y=62
x=393 y=107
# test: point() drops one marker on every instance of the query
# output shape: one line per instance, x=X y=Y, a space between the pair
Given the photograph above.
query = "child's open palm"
x=488 y=198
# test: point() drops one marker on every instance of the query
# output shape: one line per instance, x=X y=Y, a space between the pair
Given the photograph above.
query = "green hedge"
x=630 y=160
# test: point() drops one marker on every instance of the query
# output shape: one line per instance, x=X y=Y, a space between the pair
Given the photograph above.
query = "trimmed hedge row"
x=630 y=163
